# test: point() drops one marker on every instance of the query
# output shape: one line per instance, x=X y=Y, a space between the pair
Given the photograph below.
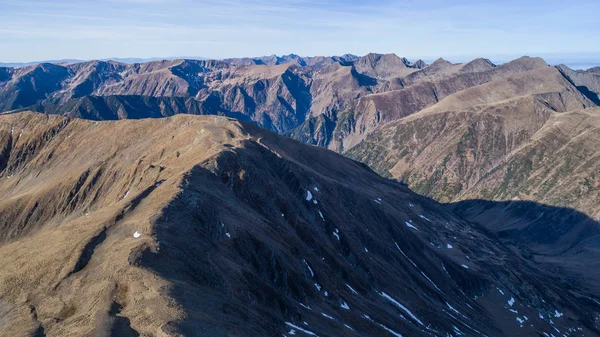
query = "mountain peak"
x=477 y=65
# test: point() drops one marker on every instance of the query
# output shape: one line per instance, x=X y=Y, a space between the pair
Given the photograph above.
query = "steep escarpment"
x=206 y=225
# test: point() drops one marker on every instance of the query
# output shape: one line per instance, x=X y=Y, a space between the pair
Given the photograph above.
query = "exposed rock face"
x=215 y=227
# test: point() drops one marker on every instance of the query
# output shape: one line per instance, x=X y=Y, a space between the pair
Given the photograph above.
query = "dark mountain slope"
x=588 y=82
x=207 y=226
x=567 y=242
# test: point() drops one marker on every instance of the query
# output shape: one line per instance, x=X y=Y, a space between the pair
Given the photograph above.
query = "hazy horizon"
x=36 y=30
x=574 y=62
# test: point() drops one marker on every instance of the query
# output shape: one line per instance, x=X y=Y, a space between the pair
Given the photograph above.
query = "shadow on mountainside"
x=562 y=240
x=237 y=240
x=245 y=248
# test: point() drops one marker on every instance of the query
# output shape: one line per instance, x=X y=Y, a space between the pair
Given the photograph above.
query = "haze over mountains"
x=121 y=216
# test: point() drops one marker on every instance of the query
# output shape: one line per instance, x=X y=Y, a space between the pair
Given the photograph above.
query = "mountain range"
x=408 y=120
x=215 y=227
x=124 y=213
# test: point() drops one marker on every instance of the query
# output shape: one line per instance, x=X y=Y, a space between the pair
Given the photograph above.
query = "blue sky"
x=41 y=30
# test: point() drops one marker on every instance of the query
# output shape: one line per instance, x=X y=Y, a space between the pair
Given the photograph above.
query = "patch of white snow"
x=308 y=196
x=423 y=217
x=300 y=329
x=352 y=289
x=336 y=233
x=309 y=268
x=410 y=225
x=391 y=299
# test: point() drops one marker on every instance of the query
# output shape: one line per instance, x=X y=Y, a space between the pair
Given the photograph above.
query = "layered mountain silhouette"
x=477 y=130
x=210 y=226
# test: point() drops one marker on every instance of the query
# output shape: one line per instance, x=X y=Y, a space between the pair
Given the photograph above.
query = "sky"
x=33 y=30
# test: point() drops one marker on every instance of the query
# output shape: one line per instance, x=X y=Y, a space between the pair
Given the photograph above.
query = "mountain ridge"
x=268 y=233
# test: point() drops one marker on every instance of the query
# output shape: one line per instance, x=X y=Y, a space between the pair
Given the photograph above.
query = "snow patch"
x=400 y=249
x=557 y=314
x=305 y=307
x=228 y=235
x=449 y=246
x=430 y=281
x=308 y=196
x=137 y=234
x=300 y=329
x=464 y=266
x=344 y=305
x=316 y=189
x=389 y=330
x=423 y=217
x=309 y=268
x=391 y=299
x=352 y=289
x=511 y=302
x=410 y=225
x=325 y=315
x=456 y=311
x=321 y=215
x=336 y=233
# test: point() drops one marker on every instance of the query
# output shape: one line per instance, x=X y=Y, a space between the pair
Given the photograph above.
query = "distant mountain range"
x=384 y=110
x=579 y=61
x=160 y=222
x=127 y=60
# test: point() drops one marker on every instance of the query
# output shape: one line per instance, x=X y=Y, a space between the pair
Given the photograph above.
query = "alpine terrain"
x=477 y=130
x=211 y=226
